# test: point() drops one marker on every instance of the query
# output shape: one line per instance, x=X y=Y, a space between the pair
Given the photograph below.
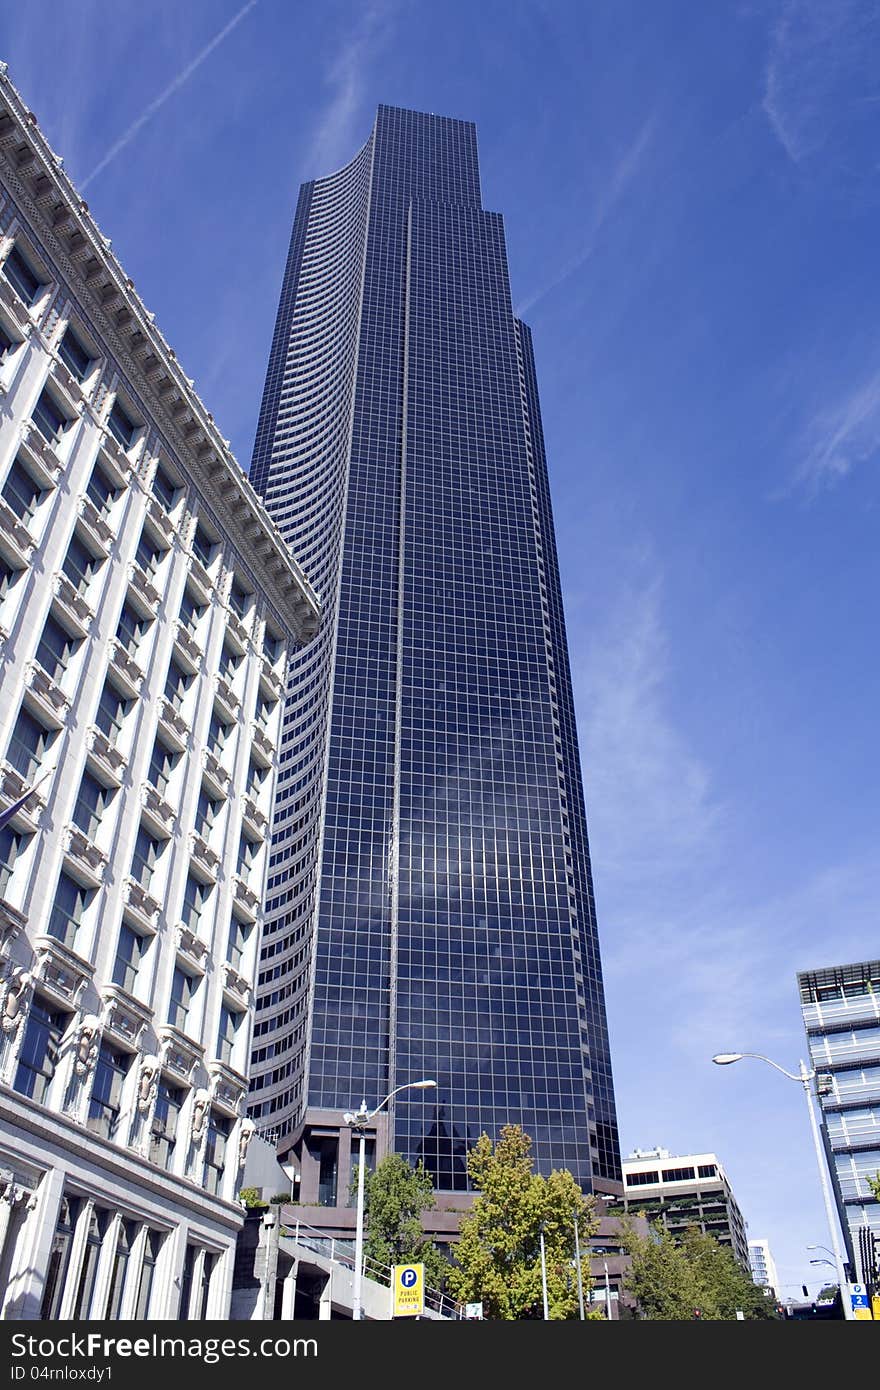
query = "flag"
x=7 y=815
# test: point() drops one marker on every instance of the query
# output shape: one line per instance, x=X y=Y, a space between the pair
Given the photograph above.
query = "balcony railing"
x=51 y=699
x=204 y=860
x=115 y=460
x=270 y=679
x=245 y=898
x=62 y=974
x=236 y=985
x=236 y=632
x=76 y=610
x=157 y=809
x=41 y=455
x=145 y=596
x=161 y=521
x=124 y=1017
x=861 y=1007
x=215 y=772
x=127 y=671
x=100 y=535
x=68 y=387
x=200 y=579
x=226 y=697
x=12 y=789
x=90 y=861
x=188 y=649
x=15 y=307
x=255 y=824
x=141 y=905
x=15 y=538
x=180 y=1055
x=191 y=947
x=262 y=747
x=175 y=727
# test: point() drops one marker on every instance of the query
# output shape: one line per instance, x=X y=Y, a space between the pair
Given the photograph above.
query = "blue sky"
x=690 y=195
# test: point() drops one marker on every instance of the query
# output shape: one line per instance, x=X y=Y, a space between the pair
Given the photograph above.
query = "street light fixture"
x=724 y=1059
x=359 y=1122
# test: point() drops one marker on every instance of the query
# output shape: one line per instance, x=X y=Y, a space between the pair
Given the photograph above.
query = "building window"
x=162 y=763
x=149 y=555
x=263 y=711
x=195 y=895
x=239 y=597
x=132 y=628
x=21 y=493
x=145 y=857
x=59 y=1258
x=21 y=277
x=124 y=1241
x=215 y=1150
x=80 y=565
x=111 y=711
x=39 y=1049
x=102 y=490
x=6 y=344
x=190 y=613
x=71 y=902
x=328 y=1162
x=206 y=813
x=203 y=546
x=229 y=1021
x=76 y=358
x=164 y=488
x=8 y=578
x=27 y=745
x=640 y=1179
x=247 y=853
x=177 y=684
x=121 y=425
x=105 y=1103
x=255 y=780
x=10 y=846
x=271 y=645
x=152 y=1247
x=678 y=1174
x=163 y=1133
x=49 y=419
x=129 y=953
x=239 y=933
x=56 y=648
x=229 y=663
x=183 y=987
x=707 y=1170
x=99 y=1220
x=90 y=805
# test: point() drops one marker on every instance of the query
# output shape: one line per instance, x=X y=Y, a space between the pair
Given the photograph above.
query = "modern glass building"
x=841 y=1009
x=430 y=907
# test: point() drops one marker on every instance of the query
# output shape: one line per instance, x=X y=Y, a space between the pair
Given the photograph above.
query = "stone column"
x=74 y=1263
x=24 y=1293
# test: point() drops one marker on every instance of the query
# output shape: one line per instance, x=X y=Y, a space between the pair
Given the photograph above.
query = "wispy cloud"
x=334 y=136
x=821 y=71
x=842 y=436
x=183 y=76
x=623 y=174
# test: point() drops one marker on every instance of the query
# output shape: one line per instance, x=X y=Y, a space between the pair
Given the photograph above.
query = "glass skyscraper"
x=430 y=907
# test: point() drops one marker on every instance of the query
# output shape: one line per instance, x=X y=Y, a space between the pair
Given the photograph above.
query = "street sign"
x=408 y=1283
x=473 y=1310
x=858 y=1296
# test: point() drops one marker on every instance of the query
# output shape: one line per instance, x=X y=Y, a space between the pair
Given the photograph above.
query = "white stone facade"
x=147 y=608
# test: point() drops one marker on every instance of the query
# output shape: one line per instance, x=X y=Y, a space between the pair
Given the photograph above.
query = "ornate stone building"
x=147 y=609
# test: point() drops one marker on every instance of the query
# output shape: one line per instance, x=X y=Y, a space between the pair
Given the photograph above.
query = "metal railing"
x=341 y=1252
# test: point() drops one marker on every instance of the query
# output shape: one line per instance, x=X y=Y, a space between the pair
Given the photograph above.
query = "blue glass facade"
x=430 y=908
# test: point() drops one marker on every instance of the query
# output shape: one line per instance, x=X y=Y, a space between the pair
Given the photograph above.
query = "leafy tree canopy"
x=395 y=1195
x=696 y=1276
x=498 y=1257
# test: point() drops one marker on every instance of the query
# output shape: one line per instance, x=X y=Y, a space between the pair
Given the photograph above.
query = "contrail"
x=169 y=91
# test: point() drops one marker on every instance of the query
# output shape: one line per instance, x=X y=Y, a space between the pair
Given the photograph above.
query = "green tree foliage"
x=498 y=1259
x=874 y=1184
x=395 y=1195
x=673 y=1279
x=252 y=1198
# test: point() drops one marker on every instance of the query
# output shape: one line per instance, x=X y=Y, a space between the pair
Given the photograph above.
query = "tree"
x=395 y=1195
x=874 y=1184
x=673 y=1279
x=498 y=1257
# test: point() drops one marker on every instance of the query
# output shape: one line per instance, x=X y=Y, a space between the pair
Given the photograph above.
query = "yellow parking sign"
x=408 y=1282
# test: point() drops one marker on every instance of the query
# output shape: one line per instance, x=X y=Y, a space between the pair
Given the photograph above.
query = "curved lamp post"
x=358 y=1121
x=804 y=1076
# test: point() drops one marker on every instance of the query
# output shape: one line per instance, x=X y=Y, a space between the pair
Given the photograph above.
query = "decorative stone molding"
x=228 y=1087
x=187 y=647
x=13 y=991
x=204 y=859
x=215 y=772
x=199 y=1118
x=192 y=948
x=12 y=924
x=158 y=810
x=142 y=591
x=100 y=535
x=262 y=748
x=125 y=666
x=235 y=984
x=255 y=823
x=176 y=728
x=15 y=539
x=90 y=861
x=62 y=974
x=53 y=702
x=40 y=454
x=140 y=905
x=245 y=1135
x=87 y=1045
x=245 y=898
x=148 y=1083
x=179 y=1054
x=226 y=697
x=76 y=609
x=236 y=632
x=124 y=1017
x=106 y=755
x=15 y=307
x=12 y=788
x=161 y=522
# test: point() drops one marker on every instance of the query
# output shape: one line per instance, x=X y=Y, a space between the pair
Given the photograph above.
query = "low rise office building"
x=147 y=607
x=685 y=1190
x=763 y=1267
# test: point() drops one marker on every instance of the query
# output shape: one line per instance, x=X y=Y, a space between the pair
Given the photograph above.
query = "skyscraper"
x=430 y=906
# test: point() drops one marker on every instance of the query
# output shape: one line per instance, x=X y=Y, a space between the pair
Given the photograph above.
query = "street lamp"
x=724 y=1059
x=359 y=1121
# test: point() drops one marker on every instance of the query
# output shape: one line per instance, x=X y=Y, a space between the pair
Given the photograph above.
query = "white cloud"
x=623 y=174
x=821 y=72
x=335 y=134
x=842 y=436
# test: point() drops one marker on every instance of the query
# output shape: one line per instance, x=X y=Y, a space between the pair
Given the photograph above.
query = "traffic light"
x=697 y=1313
x=806 y=1290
